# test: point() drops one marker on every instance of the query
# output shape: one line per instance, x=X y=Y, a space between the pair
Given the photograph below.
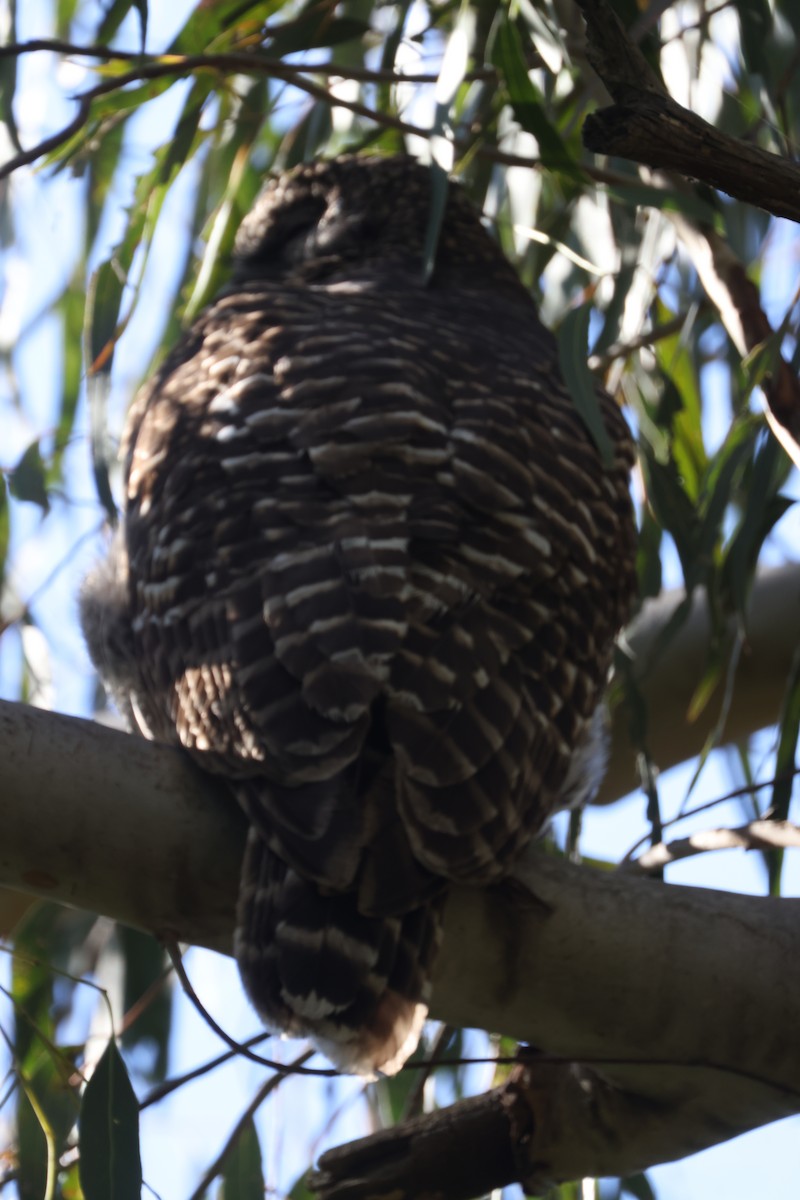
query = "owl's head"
x=329 y=219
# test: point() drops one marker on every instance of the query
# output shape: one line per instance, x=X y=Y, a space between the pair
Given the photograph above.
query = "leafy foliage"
x=197 y=116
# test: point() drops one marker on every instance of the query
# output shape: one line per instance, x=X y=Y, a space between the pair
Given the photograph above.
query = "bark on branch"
x=647 y=126
x=660 y=133
x=650 y=989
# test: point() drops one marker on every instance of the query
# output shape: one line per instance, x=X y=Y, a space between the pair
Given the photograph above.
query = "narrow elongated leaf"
x=65 y=11
x=667 y=200
x=300 y=1189
x=243 y=1174
x=573 y=343
x=755 y=22
x=762 y=511
x=144 y=970
x=27 y=480
x=673 y=510
x=116 y=14
x=639 y=1187
x=719 y=485
x=219 y=25
x=784 y=768
x=108 y=1129
x=312 y=32
x=47 y=1104
x=787 y=743
x=8 y=81
x=440 y=186
x=527 y=101
x=5 y=532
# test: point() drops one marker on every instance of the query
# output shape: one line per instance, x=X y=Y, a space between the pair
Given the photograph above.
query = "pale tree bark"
x=666 y=1015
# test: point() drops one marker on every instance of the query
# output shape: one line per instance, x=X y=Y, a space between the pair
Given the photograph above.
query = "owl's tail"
x=314 y=965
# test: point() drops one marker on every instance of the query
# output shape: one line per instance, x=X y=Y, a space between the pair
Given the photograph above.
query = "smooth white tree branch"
x=653 y=988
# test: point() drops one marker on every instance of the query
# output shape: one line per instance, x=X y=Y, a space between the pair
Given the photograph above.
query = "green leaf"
x=243 y=1174
x=5 y=532
x=27 y=480
x=145 y=962
x=639 y=1187
x=8 y=82
x=784 y=767
x=440 y=186
x=239 y=183
x=300 y=1189
x=102 y=164
x=755 y=22
x=47 y=1105
x=108 y=1129
x=70 y=308
x=314 y=30
x=648 y=556
x=65 y=11
x=527 y=102
x=690 y=203
x=673 y=510
x=762 y=511
x=103 y=302
x=220 y=25
x=573 y=343
x=116 y=14
x=719 y=487
x=787 y=744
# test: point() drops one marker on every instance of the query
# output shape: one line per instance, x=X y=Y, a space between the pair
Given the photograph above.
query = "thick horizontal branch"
x=650 y=988
x=60 y=775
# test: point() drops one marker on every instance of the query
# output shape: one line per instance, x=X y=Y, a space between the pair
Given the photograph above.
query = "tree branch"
x=639 y=983
x=660 y=133
x=755 y=835
x=648 y=127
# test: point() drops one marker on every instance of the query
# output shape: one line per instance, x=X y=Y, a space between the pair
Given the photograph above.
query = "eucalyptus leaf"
x=108 y=1131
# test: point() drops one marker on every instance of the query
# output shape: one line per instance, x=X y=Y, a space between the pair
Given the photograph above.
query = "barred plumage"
x=371 y=571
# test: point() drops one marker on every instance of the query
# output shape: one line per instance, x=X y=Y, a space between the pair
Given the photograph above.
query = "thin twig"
x=747 y=789
x=756 y=835
x=177 y=961
x=265 y=1090
x=598 y=362
x=414 y=1100
x=248 y=61
x=172 y=1085
x=143 y=1003
x=50 y=143
x=294 y=74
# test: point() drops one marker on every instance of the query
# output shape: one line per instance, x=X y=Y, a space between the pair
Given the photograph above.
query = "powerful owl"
x=370 y=570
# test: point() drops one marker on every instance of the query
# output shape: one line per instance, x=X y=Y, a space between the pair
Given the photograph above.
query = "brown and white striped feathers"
x=371 y=571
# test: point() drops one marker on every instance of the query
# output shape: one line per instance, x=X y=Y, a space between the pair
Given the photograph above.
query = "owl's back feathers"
x=374 y=569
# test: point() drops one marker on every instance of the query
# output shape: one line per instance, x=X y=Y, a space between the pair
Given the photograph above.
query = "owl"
x=369 y=572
